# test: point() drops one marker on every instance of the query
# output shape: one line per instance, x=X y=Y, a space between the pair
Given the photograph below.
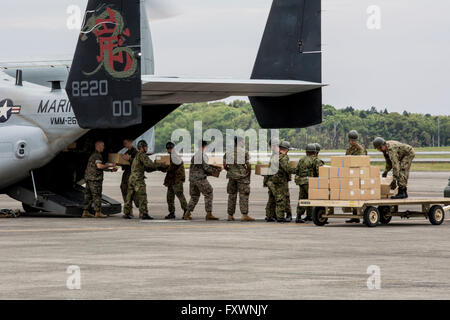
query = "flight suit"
x=308 y=166
x=399 y=157
x=278 y=184
x=237 y=164
x=126 y=175
x=174 y=181
x=94 y=183
x=137 y=188
x=198 y=182
x=356 y=150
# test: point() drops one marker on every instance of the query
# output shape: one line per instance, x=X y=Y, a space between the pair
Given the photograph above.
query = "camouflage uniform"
x=126 y=175
x=174 y=181
x=94 y=183
x=198 y=182
x=237 y=164
x=399 y=157
x=278 y=184
x=356 y=150
x=136 y=184
x=308 y=166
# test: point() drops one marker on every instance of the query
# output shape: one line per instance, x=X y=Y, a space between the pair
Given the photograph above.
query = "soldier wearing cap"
x=199 y=184
x=278 y=183
x=308 y=166
x=136 y=184
x=355 y=149
x=174 y=181
x=237 y=164
x=399 y=157
x=94 y=181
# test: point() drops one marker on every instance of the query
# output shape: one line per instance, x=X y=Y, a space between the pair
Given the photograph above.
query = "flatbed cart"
x=374 y=212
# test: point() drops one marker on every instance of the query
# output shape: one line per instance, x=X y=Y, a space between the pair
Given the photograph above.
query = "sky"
x=403 y=65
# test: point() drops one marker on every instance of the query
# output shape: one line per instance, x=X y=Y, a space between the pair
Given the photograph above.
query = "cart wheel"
x=371 y=217
x=317 y=216
x=436 y=215
x=384 y=211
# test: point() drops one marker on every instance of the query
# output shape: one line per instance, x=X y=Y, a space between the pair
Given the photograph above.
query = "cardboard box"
x=345 y=194
x=325 y=172
x=385 y=187
x=117 y=158
x=216 y=171
x=293 y=164
x=259 y=168
x=364 y=172
x=339 y=172
x=163 y=159
x=318 y=183
x=216 y=161
x=344 y=183
x=375 y=172
x=370 y=194
x=318 y=194
x=354 y=173
x=350 y=161
x=370 y=183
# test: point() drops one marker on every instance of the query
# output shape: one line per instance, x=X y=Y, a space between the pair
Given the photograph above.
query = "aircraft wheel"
x=436 y=215
x=371 y=217
x=317 y=216
x=384 y=217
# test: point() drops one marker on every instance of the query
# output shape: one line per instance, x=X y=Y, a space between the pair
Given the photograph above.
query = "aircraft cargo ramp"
x=66 y=202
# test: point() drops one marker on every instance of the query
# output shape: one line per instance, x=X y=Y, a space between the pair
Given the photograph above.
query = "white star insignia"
x=4 y=110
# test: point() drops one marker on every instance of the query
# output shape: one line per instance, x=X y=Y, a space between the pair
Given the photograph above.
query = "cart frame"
x=374 y=212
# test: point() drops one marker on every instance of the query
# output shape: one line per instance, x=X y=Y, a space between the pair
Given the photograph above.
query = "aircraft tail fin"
x=290 y=50
x=104 y=84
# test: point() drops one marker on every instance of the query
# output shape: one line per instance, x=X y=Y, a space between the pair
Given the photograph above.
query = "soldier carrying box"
x=308 y=166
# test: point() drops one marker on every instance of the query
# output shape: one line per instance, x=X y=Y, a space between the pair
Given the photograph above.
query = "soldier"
x=355 y=148
x=136 y=184
x=174 y=181
x=198 y=183
x=238 y=167
x=308 y=166
x=94 y=181
x=129 y=156
x=399 y=157
x=278 y=183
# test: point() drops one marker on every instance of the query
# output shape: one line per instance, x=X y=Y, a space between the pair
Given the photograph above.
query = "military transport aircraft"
x=111 y=92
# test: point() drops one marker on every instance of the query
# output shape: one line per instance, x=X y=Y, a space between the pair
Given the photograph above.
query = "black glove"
x=385 y=174
x=393 y=184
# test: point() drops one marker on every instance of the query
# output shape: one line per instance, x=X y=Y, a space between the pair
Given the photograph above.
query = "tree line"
x=418 y=130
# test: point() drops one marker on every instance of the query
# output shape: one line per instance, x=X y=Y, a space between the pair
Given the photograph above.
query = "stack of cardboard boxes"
x=348 y=178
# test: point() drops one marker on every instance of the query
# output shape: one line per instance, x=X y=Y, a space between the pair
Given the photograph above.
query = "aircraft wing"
x=166 y=90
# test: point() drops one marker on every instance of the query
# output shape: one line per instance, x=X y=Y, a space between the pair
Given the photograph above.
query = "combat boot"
x=353 y=220
x=87 y=214
x=230 y=218
x=187 y=215
x=299 y=219
x=270 y=219
x=307 y=219
x=99 y=214
x=401 y=194
x=246 y=217
x=288 y=217
x=209 y=217
x=146 y=216
x=170 y=216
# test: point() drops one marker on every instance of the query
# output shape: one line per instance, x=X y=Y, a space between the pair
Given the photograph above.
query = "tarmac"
x=133 y=259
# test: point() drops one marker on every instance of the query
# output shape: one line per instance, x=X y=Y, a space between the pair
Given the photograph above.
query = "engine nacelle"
x=22 y=148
